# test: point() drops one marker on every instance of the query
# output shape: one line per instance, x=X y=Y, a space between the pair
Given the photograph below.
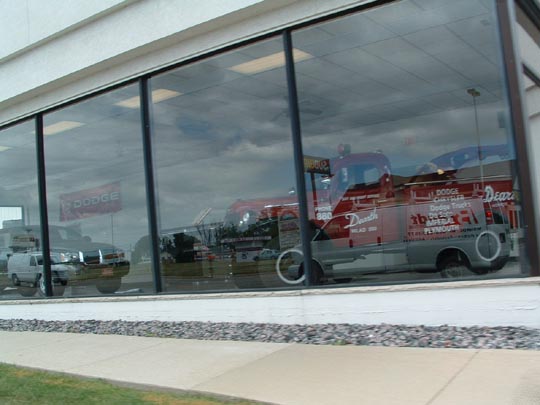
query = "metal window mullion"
x=151 y=201
x=515 y=95
x=531 y=9
x=294 y=113
x=43 y=214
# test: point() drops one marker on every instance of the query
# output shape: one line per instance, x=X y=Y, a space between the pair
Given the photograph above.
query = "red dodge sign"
x=105 y=199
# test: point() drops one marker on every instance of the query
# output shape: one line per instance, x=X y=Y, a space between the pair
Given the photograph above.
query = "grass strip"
x=20 y=385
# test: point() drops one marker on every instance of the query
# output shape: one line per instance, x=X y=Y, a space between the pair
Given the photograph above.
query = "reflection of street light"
x=475 y=93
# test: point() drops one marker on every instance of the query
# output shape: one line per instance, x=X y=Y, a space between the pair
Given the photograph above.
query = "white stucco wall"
x=491 y=303
x=26 y=23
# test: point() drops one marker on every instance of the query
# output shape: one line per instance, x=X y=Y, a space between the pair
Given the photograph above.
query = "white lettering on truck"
x=355 y=220
x=499 y=196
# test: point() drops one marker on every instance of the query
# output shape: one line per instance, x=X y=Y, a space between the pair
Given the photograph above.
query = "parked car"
x=100 y=264
x=267 y=254
x=4 y=255
x=25 y=270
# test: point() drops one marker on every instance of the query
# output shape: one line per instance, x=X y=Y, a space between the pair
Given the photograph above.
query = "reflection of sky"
x=18 y=183
x=411 y=142
x=392 y=79
x=401 y=86
x=106 y=149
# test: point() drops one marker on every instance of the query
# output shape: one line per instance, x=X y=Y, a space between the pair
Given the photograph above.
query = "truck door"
x=370 y=203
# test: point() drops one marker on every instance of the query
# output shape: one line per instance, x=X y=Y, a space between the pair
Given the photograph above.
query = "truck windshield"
x=356 y=178
x=61 y=234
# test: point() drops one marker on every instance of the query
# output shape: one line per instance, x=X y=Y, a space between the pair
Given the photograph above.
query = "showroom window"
x=20 y=223
x=404 y=153
x=408 y=147
x=96 y=195
x=226 y=186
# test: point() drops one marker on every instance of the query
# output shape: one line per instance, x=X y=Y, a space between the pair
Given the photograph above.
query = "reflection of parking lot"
x=142 y=284
x=512 y=269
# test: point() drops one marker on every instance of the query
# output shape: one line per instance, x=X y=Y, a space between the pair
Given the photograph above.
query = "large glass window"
x=96 y=195
x=410 y=164
x=19 y=208
x=409 y=154
x=224 y=167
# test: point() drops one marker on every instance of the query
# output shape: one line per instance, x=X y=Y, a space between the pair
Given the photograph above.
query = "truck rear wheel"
x=454 y=267
x=27 y=291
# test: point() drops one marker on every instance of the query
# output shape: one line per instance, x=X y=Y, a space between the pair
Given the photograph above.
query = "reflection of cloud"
x=243 y=171
x=418 y=139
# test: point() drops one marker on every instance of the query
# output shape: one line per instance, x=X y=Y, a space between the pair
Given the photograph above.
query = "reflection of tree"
x=226 y=231
x=141 y=249
x=179 y=247
x=267 y=227
x=205 y=234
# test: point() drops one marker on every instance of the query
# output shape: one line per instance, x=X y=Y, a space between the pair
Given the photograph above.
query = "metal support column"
x=294 y=113
x=44 y=217
x=151 y=201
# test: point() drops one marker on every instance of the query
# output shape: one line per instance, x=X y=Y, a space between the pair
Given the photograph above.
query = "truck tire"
x=318 y=274
x=454 y=267
x=27 y=291
x=41 y=286
x=58 y=289
x=108 y=285
x=15 y=280
x=343 y=280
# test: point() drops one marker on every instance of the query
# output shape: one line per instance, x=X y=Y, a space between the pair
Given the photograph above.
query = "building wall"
x=81 y=49
x=491 y=303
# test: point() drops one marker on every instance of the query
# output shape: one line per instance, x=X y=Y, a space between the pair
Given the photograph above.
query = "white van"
x=25 y=270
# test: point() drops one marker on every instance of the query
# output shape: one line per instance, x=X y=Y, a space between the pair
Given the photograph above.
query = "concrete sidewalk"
x=289 y=373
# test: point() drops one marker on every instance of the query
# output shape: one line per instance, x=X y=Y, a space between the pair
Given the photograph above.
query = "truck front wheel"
x=108 y=285
x=454 y=267
x=317 y=277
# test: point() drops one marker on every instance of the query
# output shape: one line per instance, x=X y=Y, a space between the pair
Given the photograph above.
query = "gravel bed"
x=323 y=334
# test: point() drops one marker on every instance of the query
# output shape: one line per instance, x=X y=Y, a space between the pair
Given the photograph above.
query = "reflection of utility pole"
x=112 y=230
x=475 y=93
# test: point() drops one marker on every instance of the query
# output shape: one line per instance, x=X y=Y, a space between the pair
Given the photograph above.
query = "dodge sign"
x=105 y=199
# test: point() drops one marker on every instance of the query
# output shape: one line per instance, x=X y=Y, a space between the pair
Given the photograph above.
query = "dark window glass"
x=96 y=195
x=19 y=207
x=224 y=166
x=409 y=153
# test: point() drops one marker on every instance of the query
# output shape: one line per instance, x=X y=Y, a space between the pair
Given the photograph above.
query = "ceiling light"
x=163 y=94
x=268 y=62
x=61 y=126
x=157 y=96
x=4 y=148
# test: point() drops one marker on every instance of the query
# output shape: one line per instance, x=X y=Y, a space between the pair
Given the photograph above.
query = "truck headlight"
x=70 y=257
